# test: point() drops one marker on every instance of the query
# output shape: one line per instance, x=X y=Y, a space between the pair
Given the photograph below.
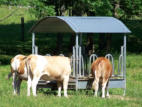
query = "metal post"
x=33 y=43
x=122 y=61
x=74 y=61
x=82 y=63
x=79 y=62
x=124 y=64
x=80 y=55
x=36 y=50
x=80 y=40
x=125 y=56
x=76 y=47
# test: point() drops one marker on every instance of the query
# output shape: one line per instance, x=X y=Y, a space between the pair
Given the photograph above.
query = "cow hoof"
x=66 y=96
x=34 y=95
x=103 y=96
x=108 y=96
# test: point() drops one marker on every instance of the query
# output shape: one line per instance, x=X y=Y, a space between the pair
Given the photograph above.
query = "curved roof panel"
x=62 y=24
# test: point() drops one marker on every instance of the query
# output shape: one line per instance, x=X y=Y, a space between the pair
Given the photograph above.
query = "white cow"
x=48 y=68
x=18 y=71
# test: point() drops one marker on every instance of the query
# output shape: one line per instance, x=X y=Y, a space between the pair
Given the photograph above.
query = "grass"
x=81 y=98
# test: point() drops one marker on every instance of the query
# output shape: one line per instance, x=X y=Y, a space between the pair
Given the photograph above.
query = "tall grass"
x=81 y=98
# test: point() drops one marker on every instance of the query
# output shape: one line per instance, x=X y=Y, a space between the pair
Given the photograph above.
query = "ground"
x=81 y=98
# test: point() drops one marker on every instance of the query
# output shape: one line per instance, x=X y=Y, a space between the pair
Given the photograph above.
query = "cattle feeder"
x=80 y=78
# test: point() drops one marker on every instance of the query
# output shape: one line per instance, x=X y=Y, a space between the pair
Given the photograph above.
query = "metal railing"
x=79 y=63
x=110 y=57
x=35 y=49
x=120 y=71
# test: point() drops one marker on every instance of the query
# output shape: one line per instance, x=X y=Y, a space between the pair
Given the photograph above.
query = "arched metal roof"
x=63 y=24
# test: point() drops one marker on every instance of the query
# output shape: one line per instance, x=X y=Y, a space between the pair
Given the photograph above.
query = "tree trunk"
x=89 y=46
x=115 y=7
x=72 y=41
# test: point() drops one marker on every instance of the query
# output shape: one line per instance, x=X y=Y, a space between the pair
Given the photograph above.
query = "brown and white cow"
x=101 y=70
x=18 y=71
x=48 y=68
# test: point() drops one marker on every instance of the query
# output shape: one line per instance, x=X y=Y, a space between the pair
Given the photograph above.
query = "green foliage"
x=11 y=44
x=131 y=7
x=98 y=5
x=15 y=2
x=123 y=8
x=5 y=59
x=41 y=9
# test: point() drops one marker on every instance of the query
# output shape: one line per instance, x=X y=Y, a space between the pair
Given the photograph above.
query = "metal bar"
x=80 y=39
x=36 y=49
x=80 y=55
x=82 y=63
x=94 y=57
x=120 y=63
x=33 y=43
x=74 y=61
x=79 y=61
x=110 y=57
x=79 y=49
x=76 y=47
x=71 y=65
x=124 y=64
x=124 y=56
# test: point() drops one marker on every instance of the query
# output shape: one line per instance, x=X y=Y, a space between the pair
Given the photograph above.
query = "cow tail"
x=28 y=66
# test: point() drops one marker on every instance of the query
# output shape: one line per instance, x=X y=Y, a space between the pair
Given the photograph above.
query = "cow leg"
x=18 y=85
x=34 y=85
x=59 y=84
x=14 y=83
x=29 y=84
x=65 y=85
x=107 y=89
x=104 y=83
x=96 y=86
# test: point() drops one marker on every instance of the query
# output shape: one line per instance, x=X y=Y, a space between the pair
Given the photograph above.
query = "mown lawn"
x=81 y=98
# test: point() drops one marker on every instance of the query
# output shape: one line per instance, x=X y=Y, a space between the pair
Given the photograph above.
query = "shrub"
x=5 y=59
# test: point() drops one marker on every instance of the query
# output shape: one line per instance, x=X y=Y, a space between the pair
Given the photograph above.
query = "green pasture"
x=81 y=98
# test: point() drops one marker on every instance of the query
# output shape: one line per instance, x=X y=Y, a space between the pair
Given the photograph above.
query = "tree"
x=42 y=8
x=131 y=8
